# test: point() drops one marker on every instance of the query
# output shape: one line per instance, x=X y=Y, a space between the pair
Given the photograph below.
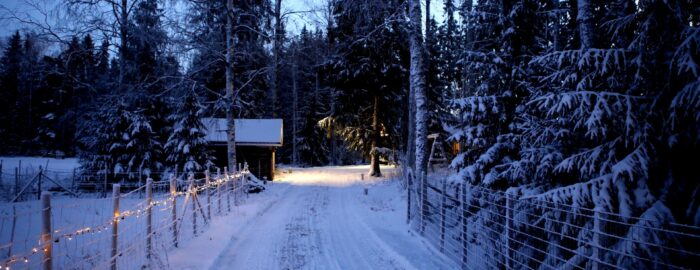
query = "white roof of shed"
x=256 y=132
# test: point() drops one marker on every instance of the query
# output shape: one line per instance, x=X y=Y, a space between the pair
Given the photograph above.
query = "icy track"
x=315 y=218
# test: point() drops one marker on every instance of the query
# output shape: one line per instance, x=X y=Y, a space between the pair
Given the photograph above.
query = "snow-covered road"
x=316 y=218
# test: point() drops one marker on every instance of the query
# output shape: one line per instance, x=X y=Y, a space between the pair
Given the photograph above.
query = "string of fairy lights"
x=118 y=217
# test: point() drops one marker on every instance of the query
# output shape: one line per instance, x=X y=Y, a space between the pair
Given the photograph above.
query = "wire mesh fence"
x=482 y=228
x=130 y=229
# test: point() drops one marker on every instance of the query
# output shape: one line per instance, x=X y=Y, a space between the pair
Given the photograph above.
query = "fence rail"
x=480 y=228
x=129 y=230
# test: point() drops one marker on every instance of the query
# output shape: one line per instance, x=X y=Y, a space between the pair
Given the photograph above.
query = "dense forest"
x=595 y=98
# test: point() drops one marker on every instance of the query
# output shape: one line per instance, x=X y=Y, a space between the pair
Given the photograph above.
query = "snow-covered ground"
x=32 y=164
x=315 y=218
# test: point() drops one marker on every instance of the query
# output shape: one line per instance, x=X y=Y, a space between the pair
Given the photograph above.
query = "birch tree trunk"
x=230 y=94
x=374 y=163
x=295 y=101
x=417 y=84
x=585 y=23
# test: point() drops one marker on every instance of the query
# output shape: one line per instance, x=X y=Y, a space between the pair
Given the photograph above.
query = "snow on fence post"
x=227 y=188
x=463 y=219
x=218 y=188
x=443 y=213
x=115 y=226
x=207 y=183
x=193 y=197
x=508 y=227
x=149 y=219
x=173 y=198
x=46 y=238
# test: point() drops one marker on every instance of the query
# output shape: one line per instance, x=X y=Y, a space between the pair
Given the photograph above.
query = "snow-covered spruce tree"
x=503 y=36
x=103 y=137
x=599 y=133
x=142 y=147
x=186 y=147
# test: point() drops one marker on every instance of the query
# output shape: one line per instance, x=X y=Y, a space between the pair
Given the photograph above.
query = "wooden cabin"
x=256 y=142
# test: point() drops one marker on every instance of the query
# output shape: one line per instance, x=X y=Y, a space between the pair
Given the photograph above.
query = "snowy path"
x=318 y=218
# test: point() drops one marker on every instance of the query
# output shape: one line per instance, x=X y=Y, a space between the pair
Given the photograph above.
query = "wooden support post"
x=173 y=199
x=227 y=188
x=104 y=186
x=2 y=182
x=508 y=228
x=208 y=183
x=115 y=227
x=362 y=178
x=12 y=230
x=409 y=184
x=443 y=213
x=463 y=219
x=72 y=182
x=193 y=195
x=16 y=182
x=38 y=190
x=423 y=203
x=46 y=238
x=218 y=189
x=149 y=219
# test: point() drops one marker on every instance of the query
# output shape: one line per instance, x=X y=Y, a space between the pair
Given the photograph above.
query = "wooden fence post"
x=104 y=186
x=508 y=229
x=409 y=184
x=424 y=203
x=149 y=219
x=207 y=183
x=218 y=188
x=463 y=219
x=38 y=191
x=115 y=226
x=227 y=188
x=16 y=182
x=193 y=198
x=173 y=198
x=12 y=230
x=443 y=213
x=46 y=238
x=72 y=185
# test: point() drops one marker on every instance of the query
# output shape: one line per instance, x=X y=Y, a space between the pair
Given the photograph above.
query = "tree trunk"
x=295 y=101
x=230 y=95
x=585 y=23
x=417 y=83
x=123 y=24
x=374 y=163
x=277 y=43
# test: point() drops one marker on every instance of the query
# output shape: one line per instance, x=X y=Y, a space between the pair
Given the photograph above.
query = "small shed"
x=256 y=143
